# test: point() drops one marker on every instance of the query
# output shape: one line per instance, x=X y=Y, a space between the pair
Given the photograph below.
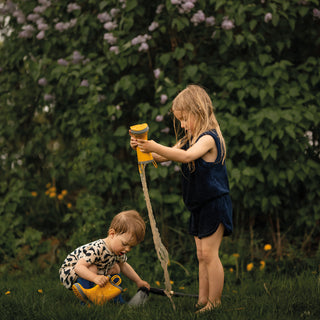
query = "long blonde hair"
x=195 y=101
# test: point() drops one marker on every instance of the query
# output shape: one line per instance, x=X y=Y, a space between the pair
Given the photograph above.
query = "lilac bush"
x=75 y=75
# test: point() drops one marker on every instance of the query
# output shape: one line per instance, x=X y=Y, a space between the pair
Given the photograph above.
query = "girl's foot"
x=208 y=307
x=200 y=304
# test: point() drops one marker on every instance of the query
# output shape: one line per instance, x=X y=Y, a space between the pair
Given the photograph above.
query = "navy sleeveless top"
x=208 y=181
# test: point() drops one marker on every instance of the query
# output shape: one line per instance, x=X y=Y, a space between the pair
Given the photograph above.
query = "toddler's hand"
x=143 y=283
x=101 y=280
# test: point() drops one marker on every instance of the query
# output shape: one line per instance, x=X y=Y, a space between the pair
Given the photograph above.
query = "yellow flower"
x=40 y=291
x=249 y=266
x=7 y=293
x=52 y=194
x=262 y=265
x=231 y=270
x=157 y=283
x=181 y=288
x=69 y=205
x=48 y=185
x=60 y=196
x=64 y=192
x=236 y=255
x=34 y=193
x=53 y=189
x=267 y=247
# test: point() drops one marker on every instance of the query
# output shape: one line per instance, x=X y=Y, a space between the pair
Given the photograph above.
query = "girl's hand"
x=145 y=145
x=101 y=280
x=133 y=143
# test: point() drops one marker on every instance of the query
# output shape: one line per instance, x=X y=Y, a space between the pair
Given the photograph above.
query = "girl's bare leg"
x=211 y=274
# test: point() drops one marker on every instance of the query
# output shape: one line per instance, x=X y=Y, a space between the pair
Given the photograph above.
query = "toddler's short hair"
x=129 y=222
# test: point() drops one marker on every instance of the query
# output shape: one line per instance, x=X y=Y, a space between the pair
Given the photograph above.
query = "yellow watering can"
x=140 y=131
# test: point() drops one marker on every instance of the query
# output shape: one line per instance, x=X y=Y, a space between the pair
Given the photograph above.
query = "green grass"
x=269 y=296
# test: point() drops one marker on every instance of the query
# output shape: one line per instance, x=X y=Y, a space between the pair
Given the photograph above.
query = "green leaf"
x=191 y=70
x=165 y=58
x=121 y=131
x=179 y=53
x=130 y=5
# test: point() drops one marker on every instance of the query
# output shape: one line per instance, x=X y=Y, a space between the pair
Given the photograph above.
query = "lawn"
x=294 y=295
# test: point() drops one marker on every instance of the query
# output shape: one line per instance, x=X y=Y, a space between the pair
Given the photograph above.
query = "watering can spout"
x=140 y=131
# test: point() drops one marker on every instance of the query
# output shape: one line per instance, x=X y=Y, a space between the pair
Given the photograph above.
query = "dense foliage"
x=75 y=76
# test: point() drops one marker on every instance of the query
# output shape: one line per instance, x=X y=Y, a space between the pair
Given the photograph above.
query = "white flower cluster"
x=142 y=40
x=184 y=6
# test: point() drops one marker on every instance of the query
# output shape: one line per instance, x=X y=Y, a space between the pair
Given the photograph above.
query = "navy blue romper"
x=206 y=194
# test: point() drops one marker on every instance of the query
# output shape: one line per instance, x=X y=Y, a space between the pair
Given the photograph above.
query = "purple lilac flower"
x=40 y=35
x=42 y=26
x=166 y=163
x=140 y=39
x=48 y=97
x=316 y=13
x=39 y=9
x=118 y=107
x=42 y=82
x=33 y=17
x=45 y=3
x=165 y=130
x=84 y=83
x=77 y=57
x=63 y=62
x=198 y=17
x=176 y=168
x=18 y=14
x=27 y=31
x=159 y=118
x=227 y=24
x=163 y=98
x=110 y=38
x=176 y=2
x=159 y=8
x=153 y=26
x=110 y=25
x=104 y=17
x=210 y=21
x=156 y=73
x=114 y=49
x=73 y=7
x=143 y=47
x=124 y=3
x=187 y=7
x=268 y=17
x=114 y=12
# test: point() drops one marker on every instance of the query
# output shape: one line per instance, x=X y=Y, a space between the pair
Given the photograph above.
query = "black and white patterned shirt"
x=96 y=253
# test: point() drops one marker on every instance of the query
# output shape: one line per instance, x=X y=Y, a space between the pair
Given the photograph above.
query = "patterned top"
x=96 y=253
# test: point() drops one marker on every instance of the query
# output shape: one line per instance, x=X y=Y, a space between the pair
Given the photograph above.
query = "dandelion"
x=7 y=293
x=181 y=288
x=60 y=196
x=231 y=270
x=268 y=17
x=40 y=291
x=171 y=282
x=267 y=247
x=48 y=185
x=157 y=283
x=34 y=193
x=69 y=205
x=250 y=266
x=236 y=255
x=262 y=265
x=64 y=192
x=52 y=195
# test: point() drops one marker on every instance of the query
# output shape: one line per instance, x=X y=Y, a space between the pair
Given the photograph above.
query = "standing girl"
x=205 y=186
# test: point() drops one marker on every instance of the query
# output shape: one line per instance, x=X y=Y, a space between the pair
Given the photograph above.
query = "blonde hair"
x=195 y=101
x=129 y=222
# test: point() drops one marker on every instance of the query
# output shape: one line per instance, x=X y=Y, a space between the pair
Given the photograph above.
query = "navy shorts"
x=205 y=220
